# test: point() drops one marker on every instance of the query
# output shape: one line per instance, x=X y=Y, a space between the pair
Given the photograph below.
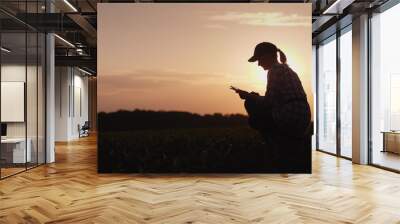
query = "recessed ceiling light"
x=5 y=50
x=337 y=7
x=70 y=5
x=84 y=71
x=64 y=40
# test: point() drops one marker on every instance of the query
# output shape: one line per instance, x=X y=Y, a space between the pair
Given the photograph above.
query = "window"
x=346 y=93
x=385 y=89
x=327 y=96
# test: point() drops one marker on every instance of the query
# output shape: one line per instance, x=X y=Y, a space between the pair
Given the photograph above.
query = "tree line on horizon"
x=124 y=120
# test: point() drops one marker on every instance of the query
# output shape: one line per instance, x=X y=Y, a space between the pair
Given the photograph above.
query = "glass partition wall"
x=334 y=94
x=22 y=88
x=13 y=110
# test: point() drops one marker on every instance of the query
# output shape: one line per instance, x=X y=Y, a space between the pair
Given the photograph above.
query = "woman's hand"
x=255 y=93
x=243 y=95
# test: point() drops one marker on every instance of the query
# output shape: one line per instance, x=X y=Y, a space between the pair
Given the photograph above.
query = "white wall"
x=17 y=73
x=33 y=126
x=80 y=89
x=62 y=81
x=14 y=73
x=92 y=109
x=71 y=93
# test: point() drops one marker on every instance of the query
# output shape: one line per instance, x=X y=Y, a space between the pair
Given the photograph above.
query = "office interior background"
x=48 y=78
x=47 y=81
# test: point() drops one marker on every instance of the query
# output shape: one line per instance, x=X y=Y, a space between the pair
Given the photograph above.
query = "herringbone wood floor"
x=70 y=191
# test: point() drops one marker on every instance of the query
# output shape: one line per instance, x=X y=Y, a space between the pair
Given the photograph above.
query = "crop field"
x=186 y=150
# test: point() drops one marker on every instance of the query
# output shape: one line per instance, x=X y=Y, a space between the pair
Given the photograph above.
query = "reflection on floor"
x=387 y=159
x=346 y=152
x=11 y=169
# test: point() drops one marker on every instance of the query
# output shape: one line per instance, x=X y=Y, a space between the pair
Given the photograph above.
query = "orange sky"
x=185 y=56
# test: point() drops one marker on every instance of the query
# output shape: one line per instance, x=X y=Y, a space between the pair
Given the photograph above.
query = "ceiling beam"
x=86 y=26
x=83 y=61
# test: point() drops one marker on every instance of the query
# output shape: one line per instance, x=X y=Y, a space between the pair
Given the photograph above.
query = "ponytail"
x=282 y=56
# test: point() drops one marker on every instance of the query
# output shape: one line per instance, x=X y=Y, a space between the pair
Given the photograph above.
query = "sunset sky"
x=184 y=57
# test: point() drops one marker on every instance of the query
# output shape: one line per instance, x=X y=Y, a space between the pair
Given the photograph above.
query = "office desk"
x=13 y=150
x=391 y=141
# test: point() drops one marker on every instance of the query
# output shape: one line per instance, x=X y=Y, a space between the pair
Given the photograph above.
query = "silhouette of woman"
x=283 y=115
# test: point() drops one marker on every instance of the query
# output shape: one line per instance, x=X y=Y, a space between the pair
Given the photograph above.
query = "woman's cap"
x=262 y=49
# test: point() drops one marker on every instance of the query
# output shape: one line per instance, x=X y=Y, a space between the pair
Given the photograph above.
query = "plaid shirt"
x=286 y=99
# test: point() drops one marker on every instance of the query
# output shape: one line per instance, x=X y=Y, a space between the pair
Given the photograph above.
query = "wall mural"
x=200 y=88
